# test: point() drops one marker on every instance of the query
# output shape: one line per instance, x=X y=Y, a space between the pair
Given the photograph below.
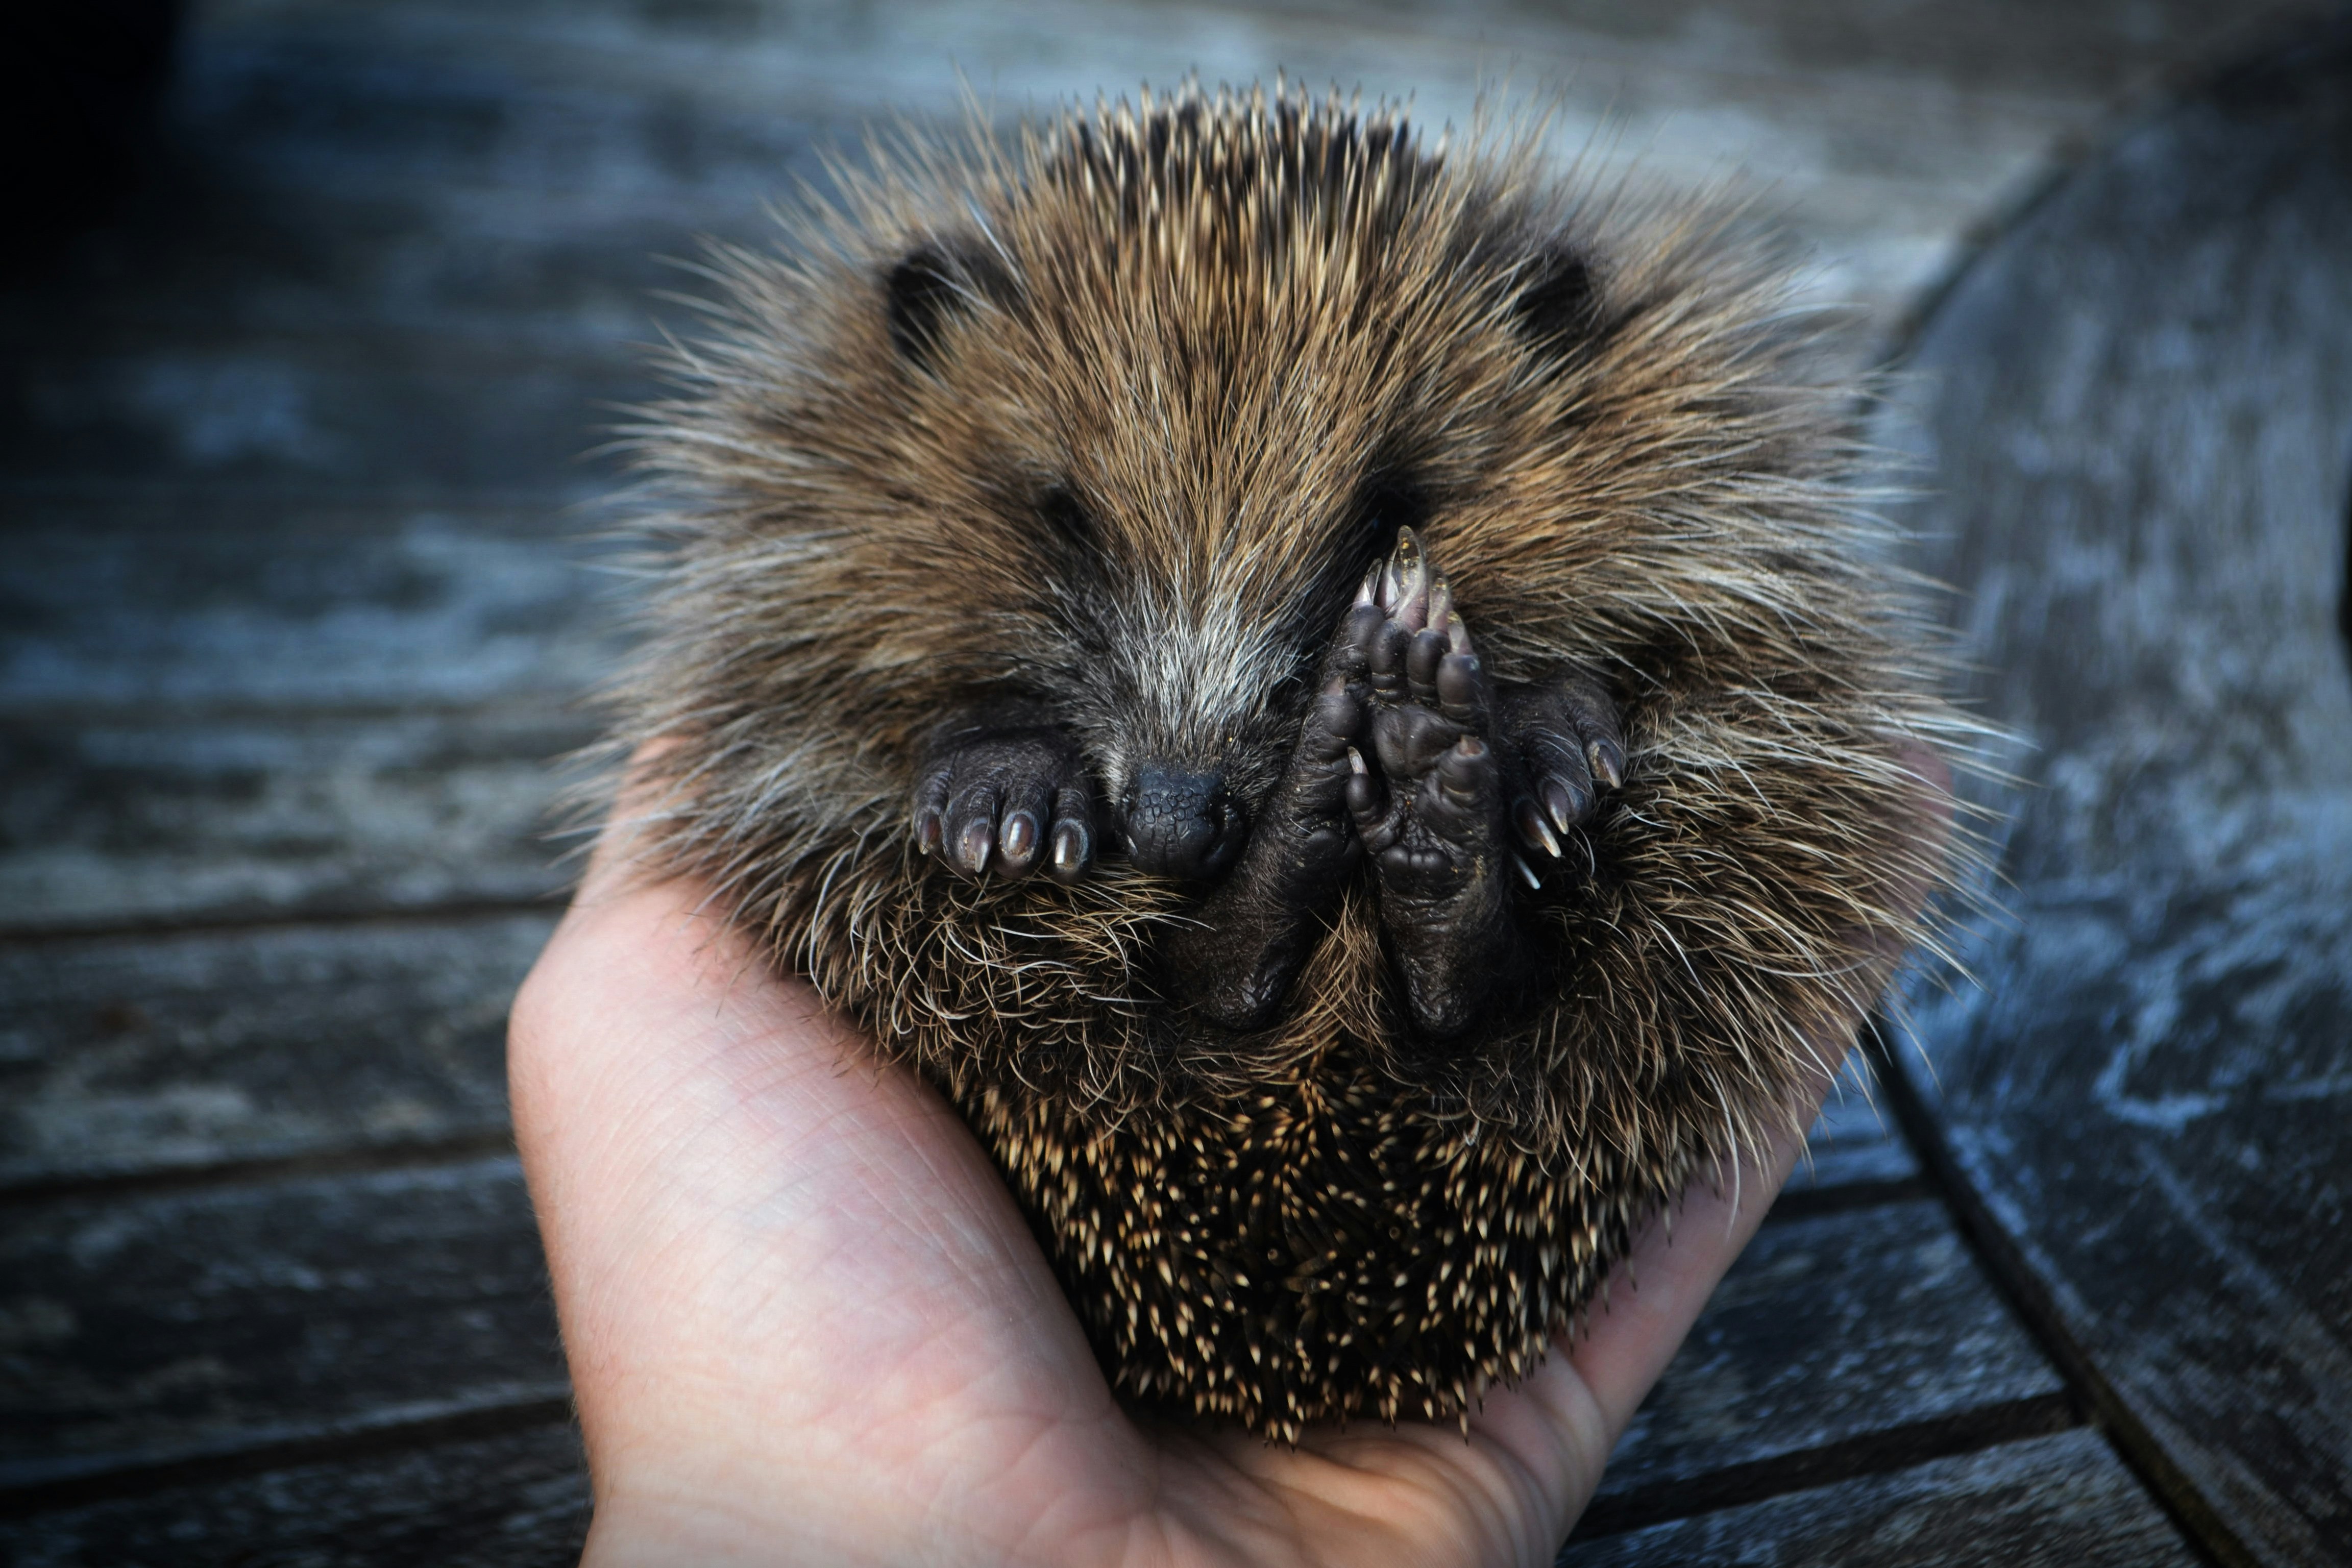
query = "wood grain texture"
x=1853 y=1142
x=132 y=1056
x=1827 y=1329
x=407 y=423
x=2061 y=1501
x=313 y=189
x=518 y=1500
x=155 y=1329
x=156 y=821
x=239 y=604
x=1880 y=136
x=2137 y=411
x=146 y=1331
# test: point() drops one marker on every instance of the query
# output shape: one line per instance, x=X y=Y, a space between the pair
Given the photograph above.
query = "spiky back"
x=1113 y=415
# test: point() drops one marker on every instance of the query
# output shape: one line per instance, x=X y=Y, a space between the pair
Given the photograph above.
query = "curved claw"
x=1607 y=760
x=1534 y=832
x=1405 y=585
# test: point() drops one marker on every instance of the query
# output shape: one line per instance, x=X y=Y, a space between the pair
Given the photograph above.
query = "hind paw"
x=1005 y=801
x=1429 y=804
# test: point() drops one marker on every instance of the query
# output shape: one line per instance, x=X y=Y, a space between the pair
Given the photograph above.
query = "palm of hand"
x=806 y=1323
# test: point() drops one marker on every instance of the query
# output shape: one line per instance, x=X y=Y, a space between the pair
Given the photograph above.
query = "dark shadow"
x=80 y=87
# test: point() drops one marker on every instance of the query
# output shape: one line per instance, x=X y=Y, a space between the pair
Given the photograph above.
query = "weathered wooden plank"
x=507 y=177
x=152 y=1327
x=341 y=190
x=1882 y=139
x=248 y=602
x=1852 y=1143
x=515 y=1501
x=2096 y=48
x=406 y=420
x=2139 y=410
x=145 y=821
x=2061 y=1501
x=123 y=1056
x=156 y=1328
x=1829 y=1328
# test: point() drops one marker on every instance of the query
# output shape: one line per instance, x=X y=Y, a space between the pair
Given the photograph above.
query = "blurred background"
x=315 y=317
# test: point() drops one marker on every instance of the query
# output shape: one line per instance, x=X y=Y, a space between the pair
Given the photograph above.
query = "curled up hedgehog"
x=1332 y=694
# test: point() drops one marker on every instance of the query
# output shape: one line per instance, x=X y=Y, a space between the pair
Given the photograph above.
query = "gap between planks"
x=549 y=904
x=1869 y=1454
x=344 y=1442
x=2028 y=1299
x=416 y=1155
x=1892 y=1449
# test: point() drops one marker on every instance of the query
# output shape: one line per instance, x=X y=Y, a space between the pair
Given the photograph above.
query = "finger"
x=1338 y=720
x=1405 y=585
x=1465 y=773
x=1386 y=656
x=1366 y=798
x=1422 y=657
x=1657 y=1293
x=1462 y=694
x=1350 y=656
x=1535 y=833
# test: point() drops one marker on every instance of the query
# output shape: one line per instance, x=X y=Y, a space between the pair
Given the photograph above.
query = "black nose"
x=1183 y=825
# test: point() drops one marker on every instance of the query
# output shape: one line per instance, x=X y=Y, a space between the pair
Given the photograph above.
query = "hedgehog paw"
x=1432 y=815
x=1568 y=748
x=1235 y=963
x=1005 y=801
x=1306 y=845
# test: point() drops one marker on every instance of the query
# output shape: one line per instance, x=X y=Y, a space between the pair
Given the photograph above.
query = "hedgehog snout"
x=1182 y=825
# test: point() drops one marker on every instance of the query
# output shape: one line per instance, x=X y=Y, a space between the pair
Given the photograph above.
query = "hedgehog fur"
x=1113 y=420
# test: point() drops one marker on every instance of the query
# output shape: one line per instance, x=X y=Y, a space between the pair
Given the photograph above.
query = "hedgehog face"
x=1156 y=451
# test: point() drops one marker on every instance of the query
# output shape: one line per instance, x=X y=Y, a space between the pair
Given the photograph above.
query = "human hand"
x=806 y=1323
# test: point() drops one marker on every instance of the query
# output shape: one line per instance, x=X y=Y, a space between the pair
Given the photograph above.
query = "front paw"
x=1564 y=747
x=1002 y=801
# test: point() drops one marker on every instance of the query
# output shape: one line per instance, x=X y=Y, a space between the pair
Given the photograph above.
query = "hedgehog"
x=1336 y=694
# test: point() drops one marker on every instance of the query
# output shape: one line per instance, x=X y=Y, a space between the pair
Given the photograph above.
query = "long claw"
x=1533 y=830
x=1564 y=802
x=1607 y=762
x=1406 y=582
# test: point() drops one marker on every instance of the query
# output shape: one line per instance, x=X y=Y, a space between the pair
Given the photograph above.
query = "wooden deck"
x=299 y=593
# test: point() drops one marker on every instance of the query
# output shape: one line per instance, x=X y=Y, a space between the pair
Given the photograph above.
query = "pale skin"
x=807 y=1325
